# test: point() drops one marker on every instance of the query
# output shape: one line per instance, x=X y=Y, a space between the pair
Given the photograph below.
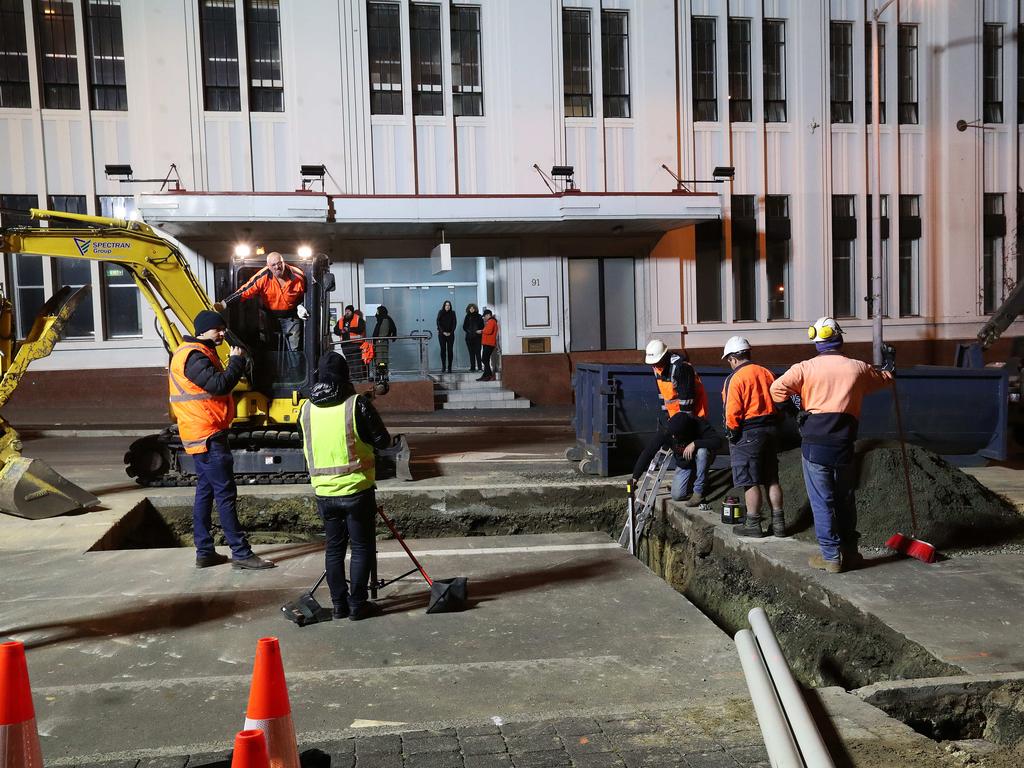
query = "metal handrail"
x=359 y=371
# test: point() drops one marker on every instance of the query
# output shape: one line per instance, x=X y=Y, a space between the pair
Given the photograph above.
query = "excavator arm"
x=1003 y=317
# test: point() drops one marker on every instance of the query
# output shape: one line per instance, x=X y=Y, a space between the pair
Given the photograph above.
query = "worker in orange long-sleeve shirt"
x=750 y=421
x=281 y=289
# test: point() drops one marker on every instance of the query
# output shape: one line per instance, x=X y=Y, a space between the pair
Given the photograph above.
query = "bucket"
x=732 y=511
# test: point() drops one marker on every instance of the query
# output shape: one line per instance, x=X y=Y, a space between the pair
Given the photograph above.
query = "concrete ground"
x=572 y=654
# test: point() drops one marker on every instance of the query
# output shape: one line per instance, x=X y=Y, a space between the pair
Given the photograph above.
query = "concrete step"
x=460 y=396
x=457 y=376
x=465 y=405
x=451 y=386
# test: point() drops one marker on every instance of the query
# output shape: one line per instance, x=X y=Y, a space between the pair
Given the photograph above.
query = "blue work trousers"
x=215 y=480
x=695 y=471
x=830 y=491
x=349 y=519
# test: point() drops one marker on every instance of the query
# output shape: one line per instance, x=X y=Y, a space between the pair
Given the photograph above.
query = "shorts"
x=754 y=458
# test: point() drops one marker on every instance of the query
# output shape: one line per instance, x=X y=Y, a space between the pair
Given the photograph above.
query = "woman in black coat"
x=446 y=323
x=473 y=325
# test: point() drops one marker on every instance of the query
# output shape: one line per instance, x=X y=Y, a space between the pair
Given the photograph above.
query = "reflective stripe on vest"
x=323 y=434
x=198 y=413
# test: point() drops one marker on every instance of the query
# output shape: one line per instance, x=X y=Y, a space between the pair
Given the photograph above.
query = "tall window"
x=615 y=63
x=777 y=238
x=884 y=213
x=740 y=97
x=992 y=272
x=705 y=89
x=844 y=258
x=58 y=54
x=122 y=302
x=14 y=83
x=425 y=32
x=26 y=275
x=219 y=38
x=709 y=265
x=263 y=52
x=774 y=70
x=602 y=304
x=384 y=40
x=579 y=96
x=910 y=255
x=467 y=73
x=105 y=43
x=992 y=74
x=744 y=257
x=841 y=71
x=868 y=70
x=74 y=273
x=906 y=73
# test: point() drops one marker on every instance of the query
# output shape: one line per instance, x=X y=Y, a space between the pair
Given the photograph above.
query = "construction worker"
x=682 y=391
x=750 y=420
x=352 y=326
x=831 y=388
x=693 y=443
x=281 y=289
x=339 y=432
x=200 y=395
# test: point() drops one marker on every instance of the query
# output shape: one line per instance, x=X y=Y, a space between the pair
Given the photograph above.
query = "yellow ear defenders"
x=820 y=334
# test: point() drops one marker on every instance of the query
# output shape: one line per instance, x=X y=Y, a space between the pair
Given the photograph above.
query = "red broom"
x=910 y=546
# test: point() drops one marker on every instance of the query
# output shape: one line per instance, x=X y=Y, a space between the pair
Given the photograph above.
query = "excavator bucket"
x=30 y=488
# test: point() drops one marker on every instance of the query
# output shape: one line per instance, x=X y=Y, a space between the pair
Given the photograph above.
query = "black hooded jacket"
x=203 y=373
x=368 y=422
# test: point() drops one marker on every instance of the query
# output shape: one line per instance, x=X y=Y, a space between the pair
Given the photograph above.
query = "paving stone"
x=528 y=728
x=597 y=760
x=419 y=746
x=576 y=726
x=113 y=764
x=587 y=744
x=539 y=743
x=749 y=755
x=652 y=758
x=710 y=760
x=210 y=760
x=547 y=759
x=425 y=734
x=637 y=725
x=482 y=745
x=484 y=729
x=434 y=760
x=488 y=761
x=163 y=762
x=383 y=744
x=746 y=737
x=379 y=760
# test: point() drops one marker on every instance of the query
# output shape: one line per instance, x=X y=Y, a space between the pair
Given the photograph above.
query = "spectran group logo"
x=83 y=245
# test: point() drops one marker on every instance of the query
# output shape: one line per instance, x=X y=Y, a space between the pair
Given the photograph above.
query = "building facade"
x=442 y=121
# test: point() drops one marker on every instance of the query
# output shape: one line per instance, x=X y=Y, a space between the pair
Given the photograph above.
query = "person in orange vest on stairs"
x=682 y=391
x=200 y=396
x=489 y=340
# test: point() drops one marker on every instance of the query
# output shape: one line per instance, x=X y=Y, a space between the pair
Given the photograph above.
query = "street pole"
x=876 y=200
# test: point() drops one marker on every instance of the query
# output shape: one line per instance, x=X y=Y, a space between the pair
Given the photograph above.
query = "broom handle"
x=391 y=526
x=906 y=461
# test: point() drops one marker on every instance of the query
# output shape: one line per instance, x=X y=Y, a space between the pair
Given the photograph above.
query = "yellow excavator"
x=264 y=437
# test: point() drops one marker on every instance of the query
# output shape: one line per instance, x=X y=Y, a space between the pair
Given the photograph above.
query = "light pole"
x=877 y=282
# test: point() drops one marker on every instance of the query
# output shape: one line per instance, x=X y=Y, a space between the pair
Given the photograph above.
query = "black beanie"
x=332 y=369
x=207 y=320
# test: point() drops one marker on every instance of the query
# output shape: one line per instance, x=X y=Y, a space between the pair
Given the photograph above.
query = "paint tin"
x=732 y=511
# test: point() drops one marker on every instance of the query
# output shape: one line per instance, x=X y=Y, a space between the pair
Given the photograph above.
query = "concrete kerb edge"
x=878 y=694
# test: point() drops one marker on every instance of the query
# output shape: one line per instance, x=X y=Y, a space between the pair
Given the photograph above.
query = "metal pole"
x=778 y=740
x=877 y=285
x=812 y=747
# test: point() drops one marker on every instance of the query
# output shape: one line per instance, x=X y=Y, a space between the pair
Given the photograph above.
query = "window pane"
x=992 y=73
x=107 y=89
x=615 y=63
x=577 y=82
x=777 y=257
x=467 y=77
x=219 y=39
x=775 y=71
x=619 y=303
x=884 y=213
x=740 y=104
x=385 y=53
x=907 y=74
x=843 y=256
x=263 y=53
x=425 y=37
x=993 y=270
x=744 y=257
x=841 y=71
x=869 y=69
x=705 y=88
x=709 y=272
x=14 y=83
x=58 y=54
x=121 y=303
x=73 y=272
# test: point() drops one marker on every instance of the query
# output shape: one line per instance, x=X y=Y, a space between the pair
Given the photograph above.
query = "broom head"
x=911 y=547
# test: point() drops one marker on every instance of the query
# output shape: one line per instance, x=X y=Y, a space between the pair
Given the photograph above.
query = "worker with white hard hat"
x=831 y=388
x=750 y=423
x=682 y=391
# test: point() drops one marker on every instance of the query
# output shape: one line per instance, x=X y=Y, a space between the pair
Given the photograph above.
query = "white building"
x=429 y=118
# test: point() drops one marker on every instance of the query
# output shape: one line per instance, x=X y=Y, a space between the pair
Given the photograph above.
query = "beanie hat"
x=332 y=369
x=207 y=320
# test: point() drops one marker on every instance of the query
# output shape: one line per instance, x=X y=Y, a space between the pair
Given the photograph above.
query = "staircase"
x=462 y=391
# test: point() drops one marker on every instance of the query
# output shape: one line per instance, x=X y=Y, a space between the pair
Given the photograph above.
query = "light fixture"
x=304 y=252
x=243 y=250
x=124 y=170
x=963 y=125
x=310 y=174
x=260 y=250
x=565 y=173
x=723 y=172
x=719 y=175
x=118 y=170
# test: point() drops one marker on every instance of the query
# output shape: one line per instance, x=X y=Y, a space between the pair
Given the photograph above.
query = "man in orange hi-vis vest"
x=200 y=395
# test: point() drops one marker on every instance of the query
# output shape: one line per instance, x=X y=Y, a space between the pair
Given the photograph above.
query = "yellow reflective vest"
x=339 y=462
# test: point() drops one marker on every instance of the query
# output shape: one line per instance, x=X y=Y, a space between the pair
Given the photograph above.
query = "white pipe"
x=812 y=747
x=778 y=739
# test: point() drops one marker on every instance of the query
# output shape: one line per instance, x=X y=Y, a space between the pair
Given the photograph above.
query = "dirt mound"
x=954 y=510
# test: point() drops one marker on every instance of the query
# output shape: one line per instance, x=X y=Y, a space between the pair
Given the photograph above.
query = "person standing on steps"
x=750 y=422
x=446 y=324
x=383 y=331
x=200 y=396
x=473 y=325
x=831 y=388
x=489 y=341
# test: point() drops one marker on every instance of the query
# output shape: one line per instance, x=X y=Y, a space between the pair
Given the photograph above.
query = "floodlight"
x=724 y=172
x=243 y=250
x=304 y=252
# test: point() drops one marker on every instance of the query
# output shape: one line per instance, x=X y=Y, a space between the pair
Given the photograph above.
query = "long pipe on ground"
x=809 y=740
x=778 y=739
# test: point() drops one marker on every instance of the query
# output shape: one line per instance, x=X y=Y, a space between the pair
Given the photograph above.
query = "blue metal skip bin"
x=957 y=412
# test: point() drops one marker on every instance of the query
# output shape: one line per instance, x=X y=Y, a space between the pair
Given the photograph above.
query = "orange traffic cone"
x=250 y=750
x=19 y=739
x=269 y=710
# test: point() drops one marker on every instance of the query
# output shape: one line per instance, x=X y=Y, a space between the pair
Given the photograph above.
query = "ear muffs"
x=811 y=332
x=824 y=333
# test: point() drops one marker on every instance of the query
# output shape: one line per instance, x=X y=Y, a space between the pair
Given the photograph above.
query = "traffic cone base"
x=19 y=745
x=281 y=743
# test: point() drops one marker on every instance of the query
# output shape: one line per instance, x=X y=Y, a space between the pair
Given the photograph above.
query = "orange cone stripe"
x=250 y=750
x=268 y=697
x=15 y=693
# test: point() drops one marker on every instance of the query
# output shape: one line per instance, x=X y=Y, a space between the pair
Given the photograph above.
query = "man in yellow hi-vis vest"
x=339 y=433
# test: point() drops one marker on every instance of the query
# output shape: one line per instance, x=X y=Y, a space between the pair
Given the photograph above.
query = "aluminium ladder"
x=646 y=493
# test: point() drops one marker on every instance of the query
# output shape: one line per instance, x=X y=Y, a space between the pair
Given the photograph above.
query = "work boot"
x=751 y=528
x=850 y=558
x=339 y=611
x=778 y=523
x=367 y=610
x=210 y=560
x=829 y=566
x=695 y=500
x=252 y=563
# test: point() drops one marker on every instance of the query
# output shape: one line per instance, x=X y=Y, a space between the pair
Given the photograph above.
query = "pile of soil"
x=954 y=511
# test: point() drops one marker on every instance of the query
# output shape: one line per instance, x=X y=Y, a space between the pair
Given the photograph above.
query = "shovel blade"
x=448 y=595
x=30 y=488
x=305 y=610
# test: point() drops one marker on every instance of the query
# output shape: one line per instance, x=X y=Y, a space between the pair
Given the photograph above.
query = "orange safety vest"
x=353 y=326
x=490 y=334
x=670 y=397
x=199 y=414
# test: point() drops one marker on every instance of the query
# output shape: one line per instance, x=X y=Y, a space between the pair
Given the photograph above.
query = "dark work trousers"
x=349 y=518
x=215 y=473
x=488 y=351
x=473 y=345
x=447 y=350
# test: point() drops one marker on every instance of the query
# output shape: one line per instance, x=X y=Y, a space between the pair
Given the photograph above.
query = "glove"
x=734 y=434
x=888 y=358
x=302 y=312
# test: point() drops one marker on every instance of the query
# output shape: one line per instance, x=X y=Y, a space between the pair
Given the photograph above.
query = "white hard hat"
x=656 y=350
x=824 y=329
x=735 y=344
